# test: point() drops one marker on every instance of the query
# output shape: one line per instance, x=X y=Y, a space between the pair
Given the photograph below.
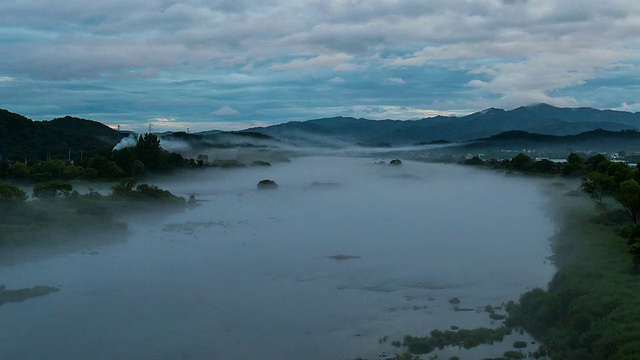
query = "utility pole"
x=149 y=128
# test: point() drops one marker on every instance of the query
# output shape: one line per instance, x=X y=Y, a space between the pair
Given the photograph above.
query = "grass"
x=591 y=308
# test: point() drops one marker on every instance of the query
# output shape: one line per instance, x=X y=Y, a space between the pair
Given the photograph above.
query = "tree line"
x=146 y=156
x=602 y=179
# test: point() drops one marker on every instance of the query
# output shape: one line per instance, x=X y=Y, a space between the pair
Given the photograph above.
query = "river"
x=300 y=272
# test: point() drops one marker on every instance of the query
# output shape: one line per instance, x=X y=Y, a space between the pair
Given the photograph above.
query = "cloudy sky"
x=230 y=64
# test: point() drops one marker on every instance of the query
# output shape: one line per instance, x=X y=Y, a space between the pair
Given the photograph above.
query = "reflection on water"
x=302 y=272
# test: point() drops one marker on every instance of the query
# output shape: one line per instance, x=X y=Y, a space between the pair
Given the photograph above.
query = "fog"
x=252 y=274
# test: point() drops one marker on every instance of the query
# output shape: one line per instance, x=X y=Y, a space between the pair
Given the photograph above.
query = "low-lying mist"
x=342 y=253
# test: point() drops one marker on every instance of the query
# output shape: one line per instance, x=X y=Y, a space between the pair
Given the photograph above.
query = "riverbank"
x=590 y=309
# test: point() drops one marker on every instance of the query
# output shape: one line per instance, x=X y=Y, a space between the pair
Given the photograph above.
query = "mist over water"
x=255 y=275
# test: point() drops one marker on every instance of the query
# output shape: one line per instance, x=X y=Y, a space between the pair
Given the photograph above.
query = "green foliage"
x=22 y=138
x=590 y=310
x=52 y=189
x=148 y=151
x=594 y=161
x=144 y=192
x=267 y=184
x=18 y=170
x=41 y=176
x=10 y=193
x=138 y=168
x=514 y=355
x=125 y=187
x=574 y=165
x=124 y=158
x=628 y=195
x=105 y=168
x=474 y=161
x=544 y=166
x=521 y=162
x=597 y=185
x=72 y=172
x=520 y=344
x=466 y=338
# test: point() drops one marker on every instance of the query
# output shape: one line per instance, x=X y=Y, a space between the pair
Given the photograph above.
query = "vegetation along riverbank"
x=590 y=309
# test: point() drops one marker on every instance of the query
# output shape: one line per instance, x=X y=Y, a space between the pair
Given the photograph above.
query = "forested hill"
x=22 y=138
x=541 y=118
x=597 y=140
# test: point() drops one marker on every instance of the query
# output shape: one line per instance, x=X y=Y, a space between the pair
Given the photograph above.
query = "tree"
x=597 y=185
x=628 y=195
x=620 y=172
x=52 y=189
x=521 y=162
x=474 y=161
x=72 y=172
x=124 y=158
x=574 y=165
x=148 y=151
x=19 y=170
x=9 y=193
x=54 y=167
x=544 y=166
x=138 y=168
x=574 y=159
x=106 y=168
x=595 y=160
x=126 y=186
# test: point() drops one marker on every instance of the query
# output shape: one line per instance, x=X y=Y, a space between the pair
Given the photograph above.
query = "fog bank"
x=260 y=274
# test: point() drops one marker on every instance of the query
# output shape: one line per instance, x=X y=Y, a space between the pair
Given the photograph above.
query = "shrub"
x=52 y=189
x=11 y=193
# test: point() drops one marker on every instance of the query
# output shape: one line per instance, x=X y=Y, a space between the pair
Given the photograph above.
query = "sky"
x=234 y=64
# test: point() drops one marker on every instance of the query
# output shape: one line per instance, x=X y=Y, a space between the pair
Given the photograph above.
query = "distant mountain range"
x=541 y=118
x=519 y=128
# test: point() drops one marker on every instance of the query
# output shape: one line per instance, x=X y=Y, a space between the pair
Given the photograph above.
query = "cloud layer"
x=270 y=61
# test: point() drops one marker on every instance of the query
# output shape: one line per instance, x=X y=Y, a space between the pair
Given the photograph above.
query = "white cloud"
x=396 y=80
x=320 y=61
x=163 y=120
x=337 y=80
x=226 y=111
x=510 y=50
x=633 y=107
x=348 y=67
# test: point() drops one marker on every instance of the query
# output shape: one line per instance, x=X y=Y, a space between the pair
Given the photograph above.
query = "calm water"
x=247 y=275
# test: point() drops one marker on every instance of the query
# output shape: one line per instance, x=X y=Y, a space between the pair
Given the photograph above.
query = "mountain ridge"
x=21 y=137
x=539 y=118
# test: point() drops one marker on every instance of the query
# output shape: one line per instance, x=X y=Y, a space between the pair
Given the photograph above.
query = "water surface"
x=249 y=275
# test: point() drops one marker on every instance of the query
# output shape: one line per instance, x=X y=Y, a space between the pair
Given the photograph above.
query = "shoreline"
x=589 y=309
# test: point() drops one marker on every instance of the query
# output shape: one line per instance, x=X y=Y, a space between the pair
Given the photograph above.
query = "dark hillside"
x=22 y=138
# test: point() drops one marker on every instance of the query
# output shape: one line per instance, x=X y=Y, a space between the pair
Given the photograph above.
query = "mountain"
x=22 y=138
x=541 y=118
x=590 y=141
